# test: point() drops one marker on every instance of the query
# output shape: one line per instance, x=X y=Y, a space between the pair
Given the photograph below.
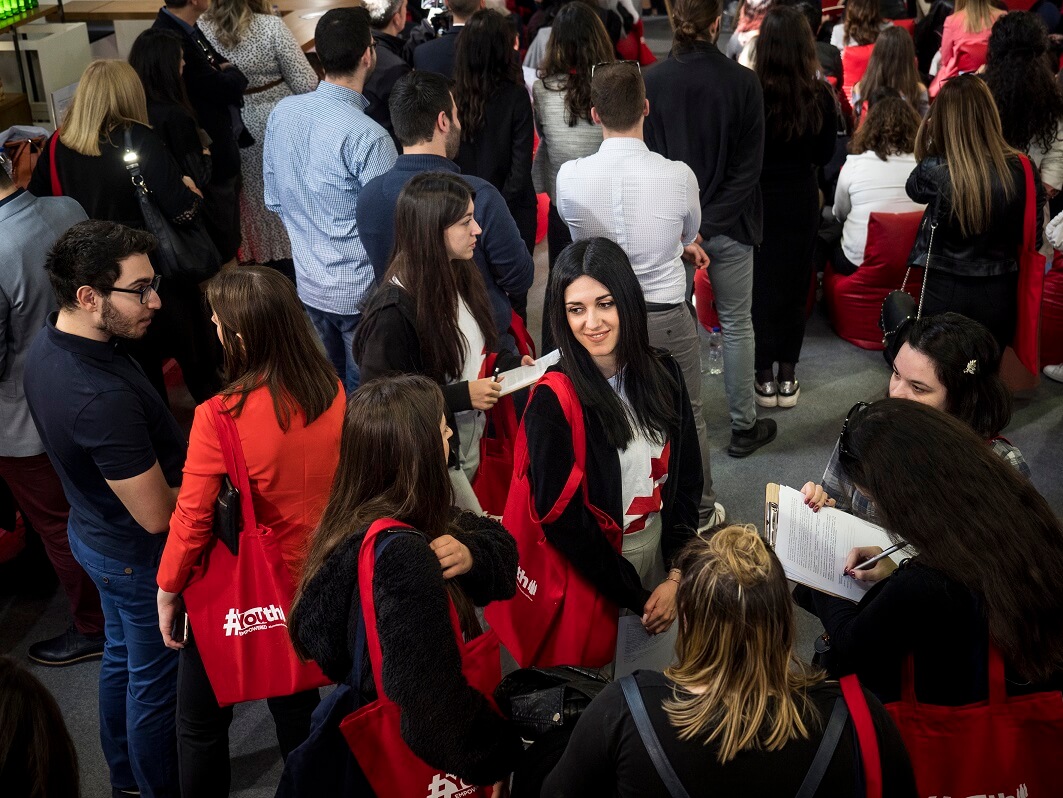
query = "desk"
x=79 y=11
x=12 y=23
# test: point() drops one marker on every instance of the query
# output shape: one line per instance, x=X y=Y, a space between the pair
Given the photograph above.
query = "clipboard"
x=771 y=513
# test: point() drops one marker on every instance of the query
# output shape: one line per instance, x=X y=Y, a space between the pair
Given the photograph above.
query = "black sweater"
x=576 y=533
x=986 y=254
x=606 y=756
x=179 y=131
x=445 y=721
x=708 y=111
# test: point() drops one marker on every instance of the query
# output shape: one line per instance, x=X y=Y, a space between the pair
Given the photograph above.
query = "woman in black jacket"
x=643 y=463
x=801 y=127
x=466 y=559
x=975 y=189
x=430 y=314
x=89 y=166
x=497 y=130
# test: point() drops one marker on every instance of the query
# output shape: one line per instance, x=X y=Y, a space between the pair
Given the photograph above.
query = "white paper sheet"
x=523 y=376
x=636 y=649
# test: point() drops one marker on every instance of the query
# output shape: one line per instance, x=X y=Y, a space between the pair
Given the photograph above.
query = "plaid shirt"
x=839 y=487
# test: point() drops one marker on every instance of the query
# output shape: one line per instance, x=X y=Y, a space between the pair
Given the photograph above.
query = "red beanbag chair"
x=1052 y=315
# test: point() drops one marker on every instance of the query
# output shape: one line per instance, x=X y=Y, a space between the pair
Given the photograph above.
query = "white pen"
x=868 y=563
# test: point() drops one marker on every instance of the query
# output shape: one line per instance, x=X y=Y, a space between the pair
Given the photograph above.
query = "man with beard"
x=425 y=119
x=119 y=454
x=321 y=149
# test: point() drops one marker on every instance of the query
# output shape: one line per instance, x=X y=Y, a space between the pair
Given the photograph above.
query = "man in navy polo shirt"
x=119 y=454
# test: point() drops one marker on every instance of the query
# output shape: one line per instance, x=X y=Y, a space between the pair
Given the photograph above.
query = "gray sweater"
x=558 y=143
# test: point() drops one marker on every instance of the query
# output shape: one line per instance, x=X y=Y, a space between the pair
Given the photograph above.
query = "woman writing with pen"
x=989 y=567
x=431 y=316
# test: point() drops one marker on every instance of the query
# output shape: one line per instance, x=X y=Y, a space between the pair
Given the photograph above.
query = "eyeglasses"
x=636 y=64
x=143 y=292
x=843 y=440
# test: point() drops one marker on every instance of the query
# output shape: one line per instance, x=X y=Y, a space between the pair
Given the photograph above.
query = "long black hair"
x=1027 y=95
x=649 y=387
x=971 y=515
x=156 y=57
x=484 y=63
x=786 y=65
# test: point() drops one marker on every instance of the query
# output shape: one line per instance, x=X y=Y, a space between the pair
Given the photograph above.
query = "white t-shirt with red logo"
x=643 y=472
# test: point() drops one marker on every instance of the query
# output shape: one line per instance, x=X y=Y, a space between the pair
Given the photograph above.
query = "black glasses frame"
x=143 y=292
x=843 y=439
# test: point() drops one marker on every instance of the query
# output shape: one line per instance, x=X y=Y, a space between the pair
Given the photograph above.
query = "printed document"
x=637 y=649
x=523 y=376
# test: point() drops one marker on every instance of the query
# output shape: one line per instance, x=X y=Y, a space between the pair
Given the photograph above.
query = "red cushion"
x=854 y=65
x=1052 y=315
x=854 y=302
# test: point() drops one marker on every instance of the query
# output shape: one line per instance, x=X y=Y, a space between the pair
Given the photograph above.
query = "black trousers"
x=203 y=727
x=993 y=301
x=557 y=238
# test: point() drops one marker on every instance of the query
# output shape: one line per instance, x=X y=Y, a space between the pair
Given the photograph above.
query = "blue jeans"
x=337 y=334
x=138 y=677
x=731 y=275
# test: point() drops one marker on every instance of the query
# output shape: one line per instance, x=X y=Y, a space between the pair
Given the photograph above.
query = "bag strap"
x=866 y=737
x=649 y=738
x=233 y=453
x=525 y=343
x=998 y=691
x=832 y=734
x=1029 y=223
x=57 y=189
x=565 y=392
x=132 y=162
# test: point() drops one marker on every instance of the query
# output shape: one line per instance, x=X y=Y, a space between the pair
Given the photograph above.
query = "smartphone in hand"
x=179 y=630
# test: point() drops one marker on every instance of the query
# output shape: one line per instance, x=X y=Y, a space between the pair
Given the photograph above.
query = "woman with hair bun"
x=738 y=714
x=947 y=362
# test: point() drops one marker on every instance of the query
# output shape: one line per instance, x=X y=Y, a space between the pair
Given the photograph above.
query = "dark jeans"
x=557 y=238
x=203 y=727
x=39 y=494
x=841 y=264
x=221 y=214
x=337 y=334
x=989 y=300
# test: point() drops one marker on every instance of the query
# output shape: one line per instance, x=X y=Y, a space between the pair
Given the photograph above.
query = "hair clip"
x=972 y=367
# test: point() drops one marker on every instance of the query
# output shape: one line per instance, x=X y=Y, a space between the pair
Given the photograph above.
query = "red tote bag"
x=1002 y=746
x=1031 y=281
x=238 y=604
x=557 y=616
x=373 y=732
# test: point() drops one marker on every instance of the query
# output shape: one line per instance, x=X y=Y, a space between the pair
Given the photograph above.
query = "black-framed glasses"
x=843 y=440
x=637 y=65
x=143 y=291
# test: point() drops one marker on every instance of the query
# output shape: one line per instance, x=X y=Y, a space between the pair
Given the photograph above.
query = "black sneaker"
x=746 y=442
x=66 y=649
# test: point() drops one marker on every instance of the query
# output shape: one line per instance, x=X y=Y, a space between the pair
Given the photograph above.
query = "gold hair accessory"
x=972 y=367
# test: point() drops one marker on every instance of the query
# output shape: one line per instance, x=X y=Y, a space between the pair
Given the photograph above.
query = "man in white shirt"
x=651 y=207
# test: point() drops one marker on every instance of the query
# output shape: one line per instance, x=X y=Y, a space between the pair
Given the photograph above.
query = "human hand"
x=696 y=256
x=169 y=606
x=454 y=556
x=191 y=185
x=484 y=394
x=1049 y=191
x=875 y=573
x=816 y=497
x=500 y=789
x=660 y=611
x=527 y=360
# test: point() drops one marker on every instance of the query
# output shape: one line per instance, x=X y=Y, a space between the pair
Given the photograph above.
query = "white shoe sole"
x=766 y=401
x=1054 y=373
x=789 y=401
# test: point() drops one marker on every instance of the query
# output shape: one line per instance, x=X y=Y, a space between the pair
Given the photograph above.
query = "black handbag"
x=541 y=700
x=900 y=307
x=185 y=252
x=228 y=517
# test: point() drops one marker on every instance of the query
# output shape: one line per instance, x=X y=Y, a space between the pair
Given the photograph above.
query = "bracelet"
x=669 y=579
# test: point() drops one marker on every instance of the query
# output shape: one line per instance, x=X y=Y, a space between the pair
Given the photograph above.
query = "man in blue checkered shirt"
x=320 y=150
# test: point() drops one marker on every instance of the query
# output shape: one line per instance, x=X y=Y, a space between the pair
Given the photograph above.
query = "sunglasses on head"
x=844 y=449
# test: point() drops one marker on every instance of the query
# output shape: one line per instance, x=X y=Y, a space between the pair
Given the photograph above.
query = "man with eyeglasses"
x=31 y=225
x=119 y=454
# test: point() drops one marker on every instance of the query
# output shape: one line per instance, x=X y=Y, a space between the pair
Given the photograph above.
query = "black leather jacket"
x=992 y=252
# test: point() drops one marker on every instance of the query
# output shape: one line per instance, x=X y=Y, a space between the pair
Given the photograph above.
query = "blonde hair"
x=109 y=96
x=979 y=14
x=736 y=634
x=963 y=128
x=232 y=18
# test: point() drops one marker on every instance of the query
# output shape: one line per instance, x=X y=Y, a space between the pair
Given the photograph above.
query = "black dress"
x=782 y=266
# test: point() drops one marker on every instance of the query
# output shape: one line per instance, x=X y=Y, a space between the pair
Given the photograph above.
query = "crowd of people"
x=366 y=221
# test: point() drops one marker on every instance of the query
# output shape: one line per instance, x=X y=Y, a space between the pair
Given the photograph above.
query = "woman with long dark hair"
x=947 y=362
x=562 y=102
x=892 y=65
x=738 y=714
x=800 y=123
x=287 y=404
x=1028 y=96
x=430 y=314
x=643 y=468
x=446 y=557
x=988 y=568
x=497 y=130
x=974 y=185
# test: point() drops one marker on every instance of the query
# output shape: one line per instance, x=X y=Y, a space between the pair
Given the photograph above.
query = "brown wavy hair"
x=889 y=128
x=892 y=65
x=863 y=20
x=232 y=19
x=786 y=64
x=484 y=63
x=578 y=41
x=735 y=649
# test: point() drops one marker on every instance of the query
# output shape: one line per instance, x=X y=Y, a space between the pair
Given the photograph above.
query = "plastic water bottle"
x=715 y=364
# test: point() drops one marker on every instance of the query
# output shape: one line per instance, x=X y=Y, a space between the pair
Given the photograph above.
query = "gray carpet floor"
x=834 y=375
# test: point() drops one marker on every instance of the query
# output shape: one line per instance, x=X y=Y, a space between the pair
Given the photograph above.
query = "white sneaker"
x=718 y=517
x=1054 y=372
